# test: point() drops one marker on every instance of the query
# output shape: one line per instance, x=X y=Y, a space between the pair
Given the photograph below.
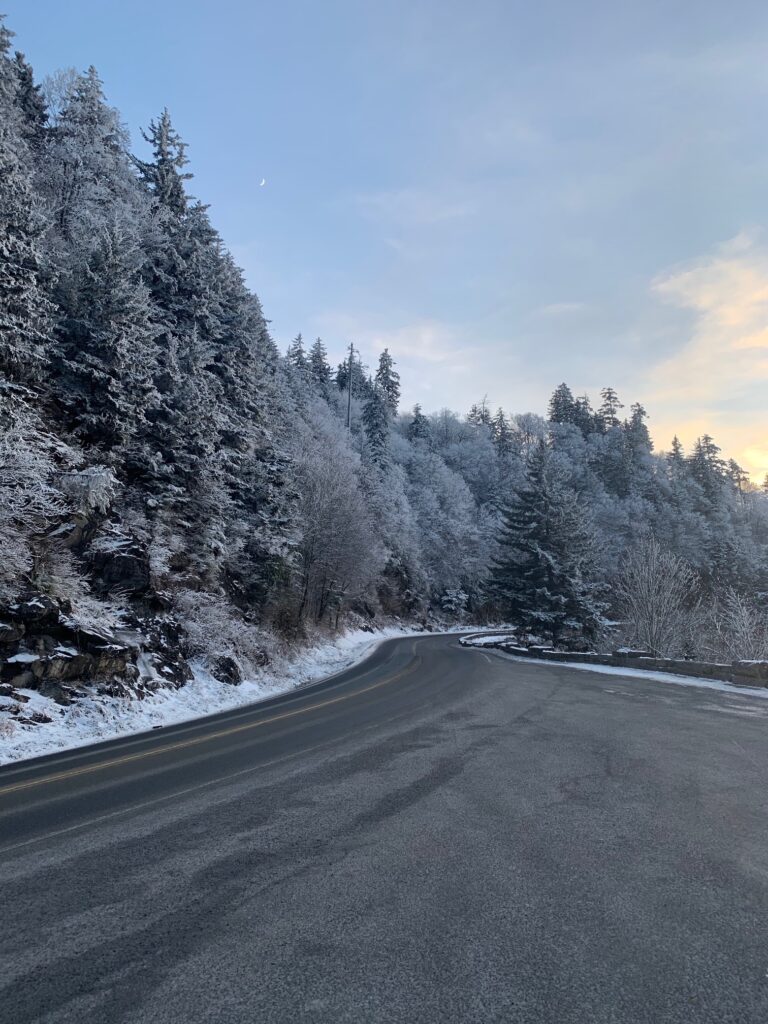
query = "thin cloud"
x=413 y=207
x=721 y=371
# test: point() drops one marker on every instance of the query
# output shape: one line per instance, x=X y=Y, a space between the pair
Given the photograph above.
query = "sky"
x=506 y=194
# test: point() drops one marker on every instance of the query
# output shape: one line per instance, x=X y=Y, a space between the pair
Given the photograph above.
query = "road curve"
x=437 y=834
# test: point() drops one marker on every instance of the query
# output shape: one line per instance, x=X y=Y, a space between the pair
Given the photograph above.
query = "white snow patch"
x=659 y=677
x=23 y=659
x=65 y=652
x=95 y=718
x=486 y=641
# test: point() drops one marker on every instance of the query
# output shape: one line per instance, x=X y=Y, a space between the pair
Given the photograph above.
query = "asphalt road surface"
x=438 y=834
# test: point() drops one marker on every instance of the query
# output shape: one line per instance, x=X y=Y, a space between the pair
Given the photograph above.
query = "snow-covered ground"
x=93 y=719
x=486 y=640
x=642 y=673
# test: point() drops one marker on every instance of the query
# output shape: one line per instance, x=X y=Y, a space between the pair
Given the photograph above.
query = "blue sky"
x=506 y=194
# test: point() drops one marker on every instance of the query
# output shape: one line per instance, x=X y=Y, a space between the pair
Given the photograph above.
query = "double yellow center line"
x=196 y=741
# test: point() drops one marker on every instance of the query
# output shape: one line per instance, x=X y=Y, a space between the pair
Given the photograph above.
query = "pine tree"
x=361 y=384
x=296 y=356
x=501 y=434
x=608 y=412
x=164 y=174
x=707 y=468
x=217 y=385
x=31 y=105
x=376 y=425
x=419 y=429
x=543 y=576
x=739 y=477
x=86 y=173
x=583 y=416
x=319 y=369
x=675 y=457
x=562 y=406
x=637 y=451
x=479 y=415
x=25 y=312
x=298 y=370
x=105 y=354
x=387 y=381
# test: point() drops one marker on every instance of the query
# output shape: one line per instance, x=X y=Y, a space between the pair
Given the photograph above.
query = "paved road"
x=437 y=835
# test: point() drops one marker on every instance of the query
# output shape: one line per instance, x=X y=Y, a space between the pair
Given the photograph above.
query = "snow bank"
x=486 y=640
x=97 y=718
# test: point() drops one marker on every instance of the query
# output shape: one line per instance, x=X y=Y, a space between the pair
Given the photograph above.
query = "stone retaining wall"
x=739 y=673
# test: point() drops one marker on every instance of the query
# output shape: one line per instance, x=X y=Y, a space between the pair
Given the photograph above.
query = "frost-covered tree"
x=608 y=413
x=656 y=591
x=480 y=415
x=34 y=115
x=25 y=311
x=502 y=436
x=164 y=174
x=419 y=429
x=105 y=351
x=339 y=557
x=562 y=406
x=544 y=577
x=319 y=368
x=86 y=174
x=387 y=382
x=376 y=425
x=296 y=356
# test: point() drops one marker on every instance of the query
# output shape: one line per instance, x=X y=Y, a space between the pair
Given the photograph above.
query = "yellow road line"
x=126 y=758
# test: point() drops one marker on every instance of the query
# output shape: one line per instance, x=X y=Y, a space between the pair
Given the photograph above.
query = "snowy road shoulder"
x=94 y=719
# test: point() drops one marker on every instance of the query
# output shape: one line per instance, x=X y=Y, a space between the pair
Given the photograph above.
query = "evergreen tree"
x=164 y=175
x=86 y=174
x=544 y=575
x=105 y=352
x=296 y=356
x=319 y=369
x=562 y=406
x=738 y=477
x=31 y=105
x=298 y=369
x=637 y=451
x=479 y=415
x=675 y=457
x=361 y=384
x=608 y=412
x=502 y=435
x=419 y=429
x=707 y=468
x=583 y=416
x=217 y=383
x=387 y=381
x=376 y=425
x=25 y=312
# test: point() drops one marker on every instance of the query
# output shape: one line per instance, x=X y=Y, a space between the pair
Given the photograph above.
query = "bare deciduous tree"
x=340 y=555
x=739 y=628
x=657 y=594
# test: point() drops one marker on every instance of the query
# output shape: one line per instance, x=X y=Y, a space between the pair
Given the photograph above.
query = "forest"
x=172 y=486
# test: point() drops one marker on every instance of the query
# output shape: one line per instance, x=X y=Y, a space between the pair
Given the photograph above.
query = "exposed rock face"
x=163 y=661
x=123 y=567
x=226 y=669
x=41 y=649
